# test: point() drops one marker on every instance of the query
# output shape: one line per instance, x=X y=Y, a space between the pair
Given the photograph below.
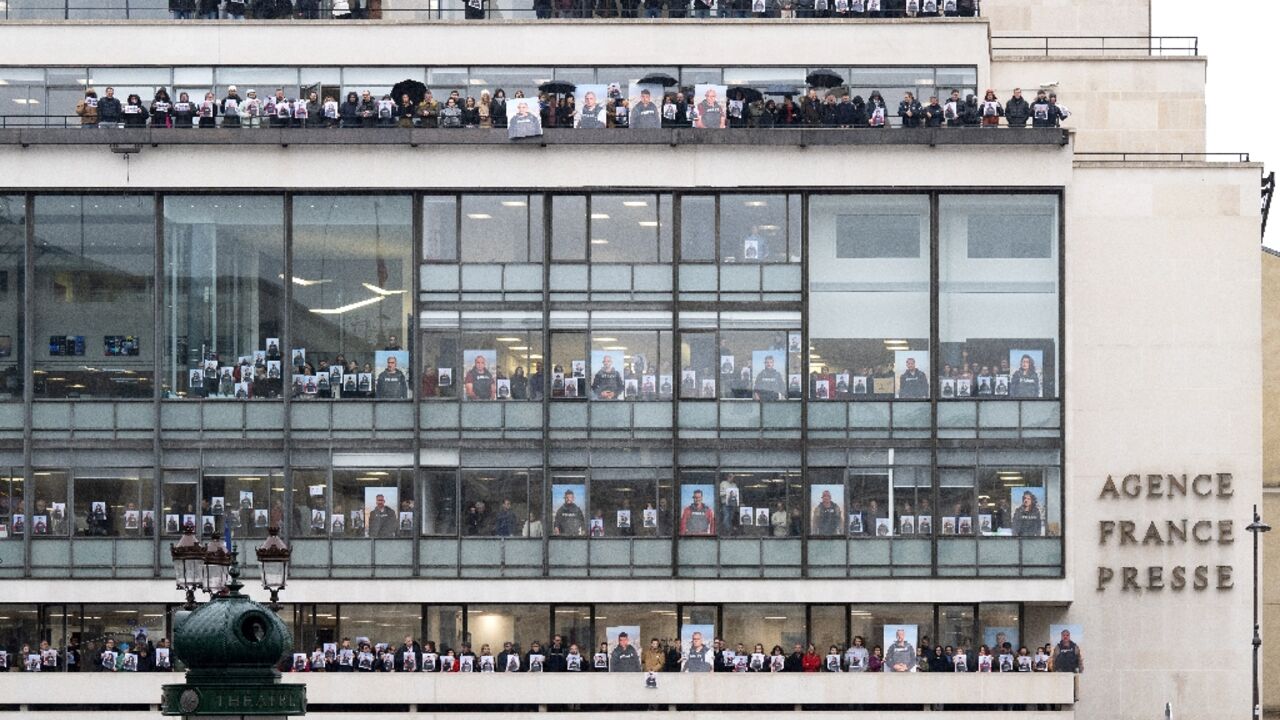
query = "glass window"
x=955 y=501
x=768 y=625
x=50 y=502
x=869 y=296
x=224 y=294
x=121 y=623
x=178 y=501
x=440 y=502
x=697 y=228
x=1015 y=502
x=868 y=621
x=573 y=625
x=655 y=622
x=627 y=229
x=869 y=503
x=440 y=228
x=499 y=502
x=699 y=365
x=247 y=501
x=569 y=227
x=998 y=297
x=569 y=501
x=13 y=243
x=759 y=364
x=111 y=504
x=569 y=365
x=311 y=503
x=696 y=509
x=630 y=365
x=955 y=627
x=496 y=365
x=1001 y=623
x=11 y=499
x=624 y=502
x=372 y=503
x=352 y=260
x=760 y=503
x=828 y=626
x=445 y=626
x=494 y=625
x=501 y=228
x=753 y=229
x=94 y=267
x=381 y=622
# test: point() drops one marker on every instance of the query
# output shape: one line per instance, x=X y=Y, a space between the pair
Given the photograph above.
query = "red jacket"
x=811 y=662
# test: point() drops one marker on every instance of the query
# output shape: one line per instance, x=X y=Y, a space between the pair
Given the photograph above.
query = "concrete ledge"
x=553 y=136
x=621 y=689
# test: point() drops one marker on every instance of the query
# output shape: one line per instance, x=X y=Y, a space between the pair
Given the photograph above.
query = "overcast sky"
x=1241 y=39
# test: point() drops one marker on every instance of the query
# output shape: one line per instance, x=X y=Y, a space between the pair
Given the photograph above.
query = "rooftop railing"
x=1107 y=46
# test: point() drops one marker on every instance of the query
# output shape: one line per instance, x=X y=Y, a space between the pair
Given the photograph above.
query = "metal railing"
x=1268 y=193
x=420 y=10
x=1107 y=46
x=1126 y=157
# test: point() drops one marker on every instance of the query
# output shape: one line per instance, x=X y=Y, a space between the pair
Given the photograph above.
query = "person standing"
x=653 y=659
x=990 y=109
x=87 y=109
x=1016 y=110
x=109 y=110
x=910 y=111
x=382 y=519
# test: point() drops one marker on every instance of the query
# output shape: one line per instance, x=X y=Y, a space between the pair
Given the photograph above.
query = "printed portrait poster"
x=1077 y=633
x=483 y=378
x=909 y=632
x=616 y=363
x=994 y=637
x=590 y=102
x=911 y=374
x=697 y=521
x=762 y=517
x=1027 y=380
x=633 y=637
x=646 y=106
x=769 y=374
x=651 y=517
x=523 y=118
x=569 y=520
x=708 y=108
x=394 y=385
x=883 y=527
x=826 y=509
x=1025 y=520
x=391 y=498
x=746 y=516
x=708 y=634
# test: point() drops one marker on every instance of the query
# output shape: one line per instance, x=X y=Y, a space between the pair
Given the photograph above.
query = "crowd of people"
x=561 y=655
x=579 y=9
x=838 y=109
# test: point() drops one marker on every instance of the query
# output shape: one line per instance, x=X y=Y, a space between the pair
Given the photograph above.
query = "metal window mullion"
x=804 y=401
x=545 y=199
x=286 y=341
x=934 y=344
x=676 y=342
x=415 y=362
x=158 y=335
x=28 y=385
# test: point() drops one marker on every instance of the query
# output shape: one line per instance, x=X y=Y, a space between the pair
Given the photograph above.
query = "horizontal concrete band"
x=363 y=689
x=425 y=712
x=552 y=136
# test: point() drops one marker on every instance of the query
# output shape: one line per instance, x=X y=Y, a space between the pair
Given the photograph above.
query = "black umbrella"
x=414 y=89
x=662 y=79
x=824 y=78
x=744 y=93
x=557 y=87
x=781 y=90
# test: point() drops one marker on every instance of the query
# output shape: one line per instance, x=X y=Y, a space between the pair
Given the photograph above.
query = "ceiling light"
x=767 y=227
x=303 y=281
x=380 y=291
x=349 y=307
x=635 y=203
x=509 y=339
x=480 y=216
x=648 y=223
x=599 y=241
x=514 y=203
x=755 y=203
x=518 y=347
x=599 y=216
x=605 y=339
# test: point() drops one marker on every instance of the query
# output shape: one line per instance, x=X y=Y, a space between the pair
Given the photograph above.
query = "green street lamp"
x=188 y=565
x=231 y=644
x=273 y=558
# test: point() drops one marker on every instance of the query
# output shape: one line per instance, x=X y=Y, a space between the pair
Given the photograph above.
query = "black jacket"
x=1016 y=112
x=555 y=659
x=794 y=663
x=932 y=115
x=912 y=107
x=349 y=112
x=109 y=110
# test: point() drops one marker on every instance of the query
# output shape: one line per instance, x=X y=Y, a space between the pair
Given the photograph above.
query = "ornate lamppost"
x=230 y=644
x=1257 y=527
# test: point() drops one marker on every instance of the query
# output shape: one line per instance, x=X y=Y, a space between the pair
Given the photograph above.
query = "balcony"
x=342 y=695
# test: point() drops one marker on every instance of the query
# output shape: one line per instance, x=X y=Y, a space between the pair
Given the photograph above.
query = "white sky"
x=1240 y=39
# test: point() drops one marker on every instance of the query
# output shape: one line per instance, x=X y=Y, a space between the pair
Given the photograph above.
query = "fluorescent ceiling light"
x=382 y=292
x=648 y=223
x=599 y=241
x=514 y=203
x=518 y=347
x=755 y=203
x=509 y=339
x=768 y=227
x=599 y=216
x=635 y=203
x=349 y=307
x=615 y=347
x=605 y=339
x=303 y=281
x=480 y=216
